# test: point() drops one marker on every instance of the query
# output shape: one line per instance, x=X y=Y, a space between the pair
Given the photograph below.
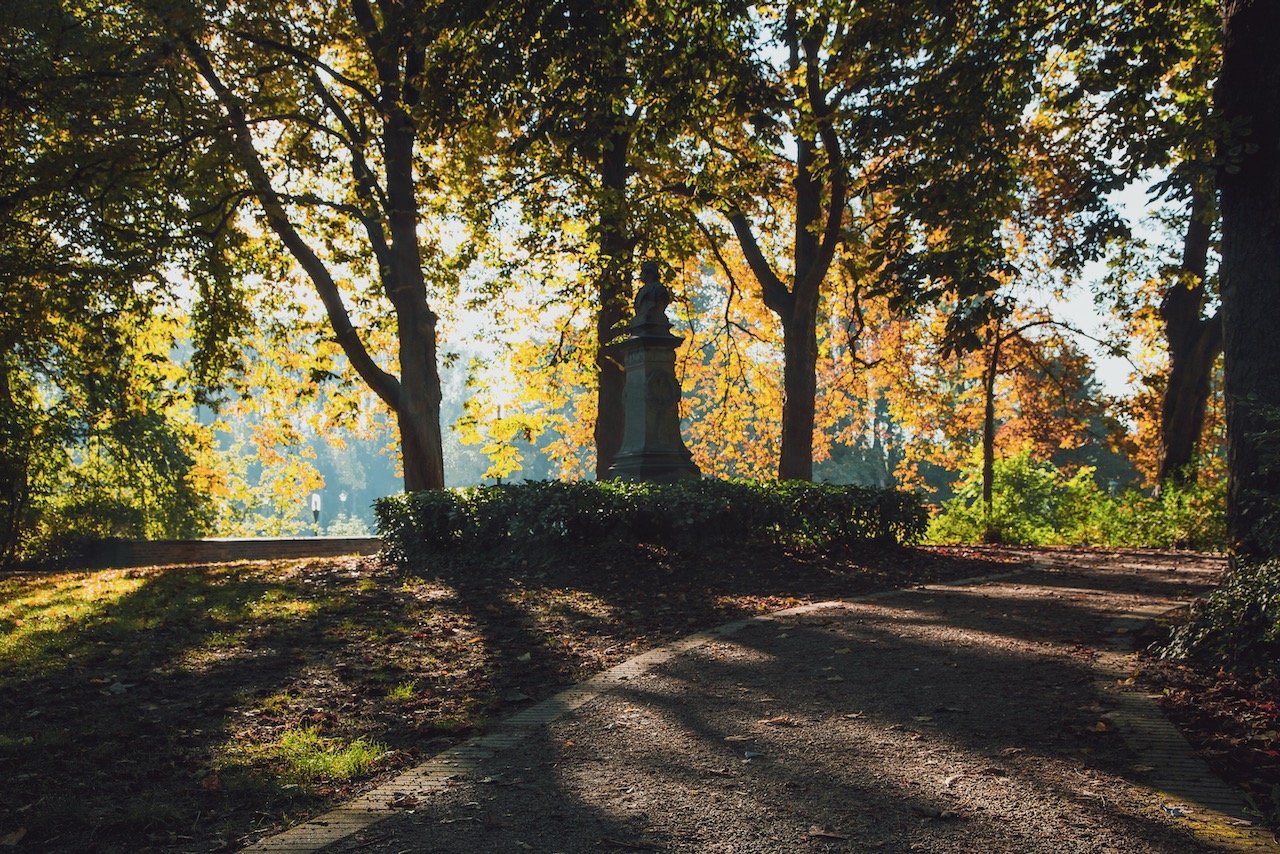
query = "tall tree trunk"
x=415 y=396
x=1194 y=344
x=418 y=413
x=1248 y=97
x=418 y=407
x=820 y=195
x=15 y=466
x=800 y=324
x=989 y=534
x=613 y=296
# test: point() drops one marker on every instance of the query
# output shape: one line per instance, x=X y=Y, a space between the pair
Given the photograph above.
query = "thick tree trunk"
x=418 y=407
x=415 y=395
x=799 y=325
x=820 y=195
x=15 y=465
x=1248 y=97
x=418 y=415
x=1194 y=343
x=613 y=295
x=799 y=378
x=989 y=534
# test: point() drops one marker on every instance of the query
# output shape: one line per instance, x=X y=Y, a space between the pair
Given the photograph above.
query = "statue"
x=651 y=301
x=652 y=448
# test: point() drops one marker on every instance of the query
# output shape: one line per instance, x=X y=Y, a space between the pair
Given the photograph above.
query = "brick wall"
x=125 y=553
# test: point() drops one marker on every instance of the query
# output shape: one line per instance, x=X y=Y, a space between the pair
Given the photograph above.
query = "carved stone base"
x=652 y=447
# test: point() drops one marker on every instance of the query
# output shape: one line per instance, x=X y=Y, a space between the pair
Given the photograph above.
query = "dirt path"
x=970 y=717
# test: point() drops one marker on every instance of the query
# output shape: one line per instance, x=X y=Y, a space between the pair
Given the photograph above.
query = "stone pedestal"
x=652 y=448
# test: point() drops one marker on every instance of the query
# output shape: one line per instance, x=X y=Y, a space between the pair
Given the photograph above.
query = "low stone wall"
x=126 y=553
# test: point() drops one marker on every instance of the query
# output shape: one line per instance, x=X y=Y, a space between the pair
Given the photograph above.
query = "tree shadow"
x=117 y=749
x=116 y=724
x=890 y=682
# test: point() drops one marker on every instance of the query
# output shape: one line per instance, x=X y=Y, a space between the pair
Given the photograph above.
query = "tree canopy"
x=388 y=211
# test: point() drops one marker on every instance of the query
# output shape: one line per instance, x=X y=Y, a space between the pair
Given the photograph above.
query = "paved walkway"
x=986 y=716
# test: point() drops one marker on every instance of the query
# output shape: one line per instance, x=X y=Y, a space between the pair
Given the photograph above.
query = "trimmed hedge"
x=688 y=514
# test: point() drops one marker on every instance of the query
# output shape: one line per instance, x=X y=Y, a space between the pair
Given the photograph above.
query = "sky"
x=1113 y=372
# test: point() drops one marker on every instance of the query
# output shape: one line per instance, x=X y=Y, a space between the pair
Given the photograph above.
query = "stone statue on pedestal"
x=652 y=448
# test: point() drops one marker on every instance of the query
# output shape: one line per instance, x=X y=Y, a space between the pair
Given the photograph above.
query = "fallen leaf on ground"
x=781 y=720
x=737 y=738
x=403 y=802
x=12 y=839
x=817 y=832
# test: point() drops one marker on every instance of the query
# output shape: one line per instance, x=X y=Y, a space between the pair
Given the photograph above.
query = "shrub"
x=1192 y=517
x=1032 y=503
x=1036 y=504
x=1238 y=626
x=684 y=515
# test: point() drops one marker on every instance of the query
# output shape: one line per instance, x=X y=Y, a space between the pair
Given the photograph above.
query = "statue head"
x=651 y=300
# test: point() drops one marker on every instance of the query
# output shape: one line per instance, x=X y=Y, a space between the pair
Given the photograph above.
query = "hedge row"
x=532 y=515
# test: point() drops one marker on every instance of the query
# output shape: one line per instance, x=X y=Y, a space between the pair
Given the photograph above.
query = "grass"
x=309 y=756
x=403 y=692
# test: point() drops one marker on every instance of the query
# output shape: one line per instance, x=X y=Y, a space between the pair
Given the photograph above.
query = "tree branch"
x=366 y=185
x=775 y=293
x=382 y=383
x=307 y=59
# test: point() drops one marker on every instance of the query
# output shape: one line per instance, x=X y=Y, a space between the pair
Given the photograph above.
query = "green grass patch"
x=403 y=692
x=311 y=757
x=42 y=620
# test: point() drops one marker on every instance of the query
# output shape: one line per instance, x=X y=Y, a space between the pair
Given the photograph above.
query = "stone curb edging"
x=127 y=554
x=1180 y=783
x=1217 y=816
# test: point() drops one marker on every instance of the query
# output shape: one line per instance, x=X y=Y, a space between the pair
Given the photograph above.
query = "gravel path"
x=946 y=718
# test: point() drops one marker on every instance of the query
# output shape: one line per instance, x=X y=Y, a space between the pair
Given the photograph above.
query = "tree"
x=1247 y=97
x=98 y=198
x=600 y=98
x=1132 y=98
x=1069 y=375
x=899 y=100
x=356 y=108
